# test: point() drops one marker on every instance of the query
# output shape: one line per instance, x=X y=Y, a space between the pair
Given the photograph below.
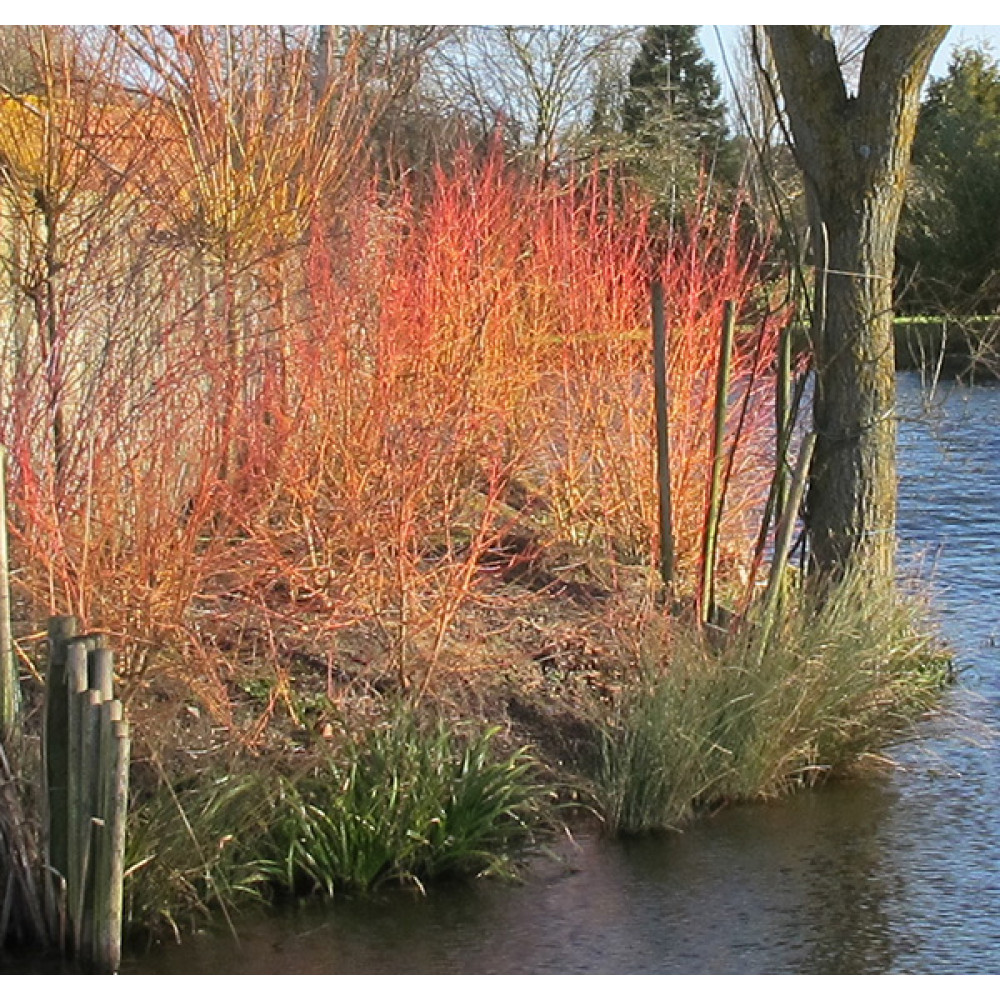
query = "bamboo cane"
x=782 y=416
x=773 y=512
x=782 y=543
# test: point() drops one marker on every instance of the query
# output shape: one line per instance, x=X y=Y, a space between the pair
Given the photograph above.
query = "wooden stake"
x=661 y=403
x=710 y=539
x=86 y=749
x=111 y=711
x=101 y=672
x=90 y=822
x=56 y=742
x=112 y=945
x=76 y=697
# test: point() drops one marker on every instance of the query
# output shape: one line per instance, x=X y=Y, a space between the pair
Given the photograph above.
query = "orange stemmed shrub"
x=433 y=371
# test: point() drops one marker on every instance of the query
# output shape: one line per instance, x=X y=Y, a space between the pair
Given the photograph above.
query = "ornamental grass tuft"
x=406 y=802
x=839 y=680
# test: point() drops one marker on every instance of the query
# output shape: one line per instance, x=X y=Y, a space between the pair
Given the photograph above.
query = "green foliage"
x=949 y=241
x=671 y=82
x=407 y=803
x=673 y=117
x=196 y=849
x=403 y=802
x=840 y=679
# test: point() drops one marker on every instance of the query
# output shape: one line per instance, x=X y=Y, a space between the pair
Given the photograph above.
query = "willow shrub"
x=337 y=433
x=838 y=681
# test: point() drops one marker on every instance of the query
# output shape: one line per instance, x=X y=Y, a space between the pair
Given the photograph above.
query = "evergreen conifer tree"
x=673 y=117
x=671 y=84
x=949 y=241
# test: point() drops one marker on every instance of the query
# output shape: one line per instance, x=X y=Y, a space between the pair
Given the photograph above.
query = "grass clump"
x=407 y=802
x=23 y=916
x=197 y=850
x=839 y=679
x=404 y=802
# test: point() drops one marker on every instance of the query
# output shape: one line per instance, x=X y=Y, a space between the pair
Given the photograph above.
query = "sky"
x=462 y=12
x=513 y=12
x=521 y=12
x=966 y=34
x=974 y=34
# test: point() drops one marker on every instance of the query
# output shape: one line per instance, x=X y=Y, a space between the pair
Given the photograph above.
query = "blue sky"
x=511 y=12
x=966 y=34
x=514 y=12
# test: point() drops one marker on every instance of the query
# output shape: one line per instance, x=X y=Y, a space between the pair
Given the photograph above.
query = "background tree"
x=536 y=84
x=854 y=152
x=671 y=80
x=949 y=241
x=68 y=186
x=673 y=115
x=410 y=126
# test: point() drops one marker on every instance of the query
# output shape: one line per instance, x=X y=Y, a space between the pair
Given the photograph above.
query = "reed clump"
x=840 y=679
x=23 y=916
x=194 y=852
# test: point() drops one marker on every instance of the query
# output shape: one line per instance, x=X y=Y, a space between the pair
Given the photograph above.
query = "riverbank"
x=643 y=725
x=324 y=761
x=568 y=710
x=966 y=348
x=891 y=873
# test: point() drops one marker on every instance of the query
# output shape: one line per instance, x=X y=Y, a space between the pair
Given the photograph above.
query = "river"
x=899 y=873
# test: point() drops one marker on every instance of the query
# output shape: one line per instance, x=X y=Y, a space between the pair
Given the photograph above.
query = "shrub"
x=347 y=428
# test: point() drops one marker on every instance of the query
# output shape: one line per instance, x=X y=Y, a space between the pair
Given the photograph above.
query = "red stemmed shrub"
x=365 y=419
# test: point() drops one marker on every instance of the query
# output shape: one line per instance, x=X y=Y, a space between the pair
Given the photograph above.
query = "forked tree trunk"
x=854 y=153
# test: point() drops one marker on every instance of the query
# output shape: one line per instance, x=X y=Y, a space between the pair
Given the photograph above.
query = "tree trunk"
x=854 y=152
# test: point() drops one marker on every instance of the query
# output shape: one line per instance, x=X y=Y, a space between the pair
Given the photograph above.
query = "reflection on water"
x=900 y=873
